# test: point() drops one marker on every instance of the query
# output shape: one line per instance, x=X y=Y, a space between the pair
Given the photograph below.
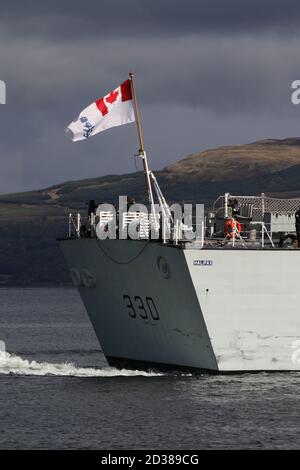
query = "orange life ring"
x=232 y=228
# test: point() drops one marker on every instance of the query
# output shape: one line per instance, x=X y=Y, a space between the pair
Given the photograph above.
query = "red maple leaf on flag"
x=111 y=98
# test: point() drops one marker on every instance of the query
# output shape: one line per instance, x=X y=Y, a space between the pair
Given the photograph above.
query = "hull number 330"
x=142 y=308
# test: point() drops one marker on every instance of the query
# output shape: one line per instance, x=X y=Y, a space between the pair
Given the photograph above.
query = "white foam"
x=11 y=364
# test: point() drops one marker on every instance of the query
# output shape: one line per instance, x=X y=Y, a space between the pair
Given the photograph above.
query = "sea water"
x=57 y=391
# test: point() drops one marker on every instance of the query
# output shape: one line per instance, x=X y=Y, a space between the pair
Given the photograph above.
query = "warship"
x=222 y=304
x=225 y=301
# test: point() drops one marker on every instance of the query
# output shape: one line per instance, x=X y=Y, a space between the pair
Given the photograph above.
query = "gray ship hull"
x=164 y=307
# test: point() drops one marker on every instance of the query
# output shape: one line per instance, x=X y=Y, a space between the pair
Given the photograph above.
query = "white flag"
x=112 y=110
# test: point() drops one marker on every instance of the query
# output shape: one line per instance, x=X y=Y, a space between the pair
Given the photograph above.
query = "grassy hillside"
x=31 y=221
x=232 y=163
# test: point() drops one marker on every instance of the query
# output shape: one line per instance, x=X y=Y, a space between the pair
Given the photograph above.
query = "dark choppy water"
x=58 y=392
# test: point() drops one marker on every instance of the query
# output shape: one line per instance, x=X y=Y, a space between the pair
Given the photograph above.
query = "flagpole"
x=142 y=151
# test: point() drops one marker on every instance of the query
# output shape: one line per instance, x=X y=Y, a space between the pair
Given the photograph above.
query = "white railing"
x=264 y=231
x=74 y=224
x=142 y=223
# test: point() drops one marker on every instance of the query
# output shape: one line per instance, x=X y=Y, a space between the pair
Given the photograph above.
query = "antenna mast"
x=142 y=152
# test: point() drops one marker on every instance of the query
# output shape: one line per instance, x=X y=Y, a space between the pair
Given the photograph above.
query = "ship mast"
x=142 y=152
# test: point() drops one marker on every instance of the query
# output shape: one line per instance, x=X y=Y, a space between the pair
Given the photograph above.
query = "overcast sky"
x=208 y=73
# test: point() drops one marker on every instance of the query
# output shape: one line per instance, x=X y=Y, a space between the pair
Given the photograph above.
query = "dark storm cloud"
x=208 y=73
x=227 y=76
x=81 y=19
